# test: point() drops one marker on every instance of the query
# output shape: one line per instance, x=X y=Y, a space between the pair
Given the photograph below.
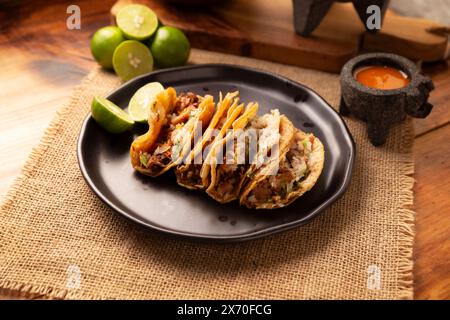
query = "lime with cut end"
x=103 y=43
x=109 y=116
x=142 y=100
x=137 y=21
x=131 y=59
x=170 y=47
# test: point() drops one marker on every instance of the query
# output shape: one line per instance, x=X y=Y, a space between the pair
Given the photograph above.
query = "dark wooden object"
x=264 y=29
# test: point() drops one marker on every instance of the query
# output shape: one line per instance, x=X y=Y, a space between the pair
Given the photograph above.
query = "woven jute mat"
x=58 y=240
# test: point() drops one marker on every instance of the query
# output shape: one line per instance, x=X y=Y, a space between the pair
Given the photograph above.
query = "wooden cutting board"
x=264 y=29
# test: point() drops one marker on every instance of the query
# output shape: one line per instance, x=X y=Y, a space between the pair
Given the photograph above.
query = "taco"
x=279 y=184
x=172 y=122
x=235 y=159
x=228 y=109
x=144 y=144
x=223 y=178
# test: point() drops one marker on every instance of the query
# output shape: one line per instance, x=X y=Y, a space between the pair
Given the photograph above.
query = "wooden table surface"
x=42 y=61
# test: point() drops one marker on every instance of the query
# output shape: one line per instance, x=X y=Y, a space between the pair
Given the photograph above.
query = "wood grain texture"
x=432 y=193
x=43 y=61
x=264 y=29
x=440 y=98
x=409 y=37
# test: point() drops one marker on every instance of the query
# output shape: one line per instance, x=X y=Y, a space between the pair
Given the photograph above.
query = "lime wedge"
x=142 y=100
x=131 y=59
x=109 y=116
x=137 y=21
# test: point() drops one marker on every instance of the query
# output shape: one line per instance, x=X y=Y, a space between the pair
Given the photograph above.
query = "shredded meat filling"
x=185 y=104
x=293 y=169
x=162 y=154
x=192 y=174
x=229 y=176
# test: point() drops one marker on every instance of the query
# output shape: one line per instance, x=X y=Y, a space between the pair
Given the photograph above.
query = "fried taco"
x=172 y=122
x=278 y=185
x=223 y=178
x=235 y=159
x=228 y=109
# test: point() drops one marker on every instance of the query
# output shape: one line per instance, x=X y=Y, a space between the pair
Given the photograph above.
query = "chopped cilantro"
x=144 y=160
x=305 y=143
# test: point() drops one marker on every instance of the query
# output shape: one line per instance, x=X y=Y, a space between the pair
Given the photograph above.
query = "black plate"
x=163 y=205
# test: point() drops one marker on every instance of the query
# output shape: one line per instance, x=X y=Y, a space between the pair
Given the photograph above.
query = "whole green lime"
x=103 y=43
x=170 y=47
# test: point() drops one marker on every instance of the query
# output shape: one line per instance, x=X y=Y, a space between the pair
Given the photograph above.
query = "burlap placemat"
x=59 y=240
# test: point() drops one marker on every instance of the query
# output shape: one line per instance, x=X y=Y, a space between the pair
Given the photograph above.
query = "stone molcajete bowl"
x=382 y=108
